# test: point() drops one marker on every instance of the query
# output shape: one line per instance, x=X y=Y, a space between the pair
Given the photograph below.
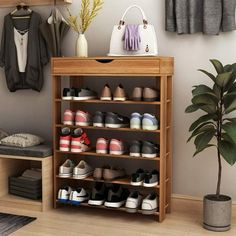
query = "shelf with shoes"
x=153 y=95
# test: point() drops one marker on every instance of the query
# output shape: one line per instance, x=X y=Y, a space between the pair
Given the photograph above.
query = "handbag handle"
x=145 y=22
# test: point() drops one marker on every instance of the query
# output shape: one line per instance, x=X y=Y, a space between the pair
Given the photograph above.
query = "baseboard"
x=191 y=198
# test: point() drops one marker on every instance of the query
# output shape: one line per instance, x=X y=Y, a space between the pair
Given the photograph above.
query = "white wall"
x=32 y=112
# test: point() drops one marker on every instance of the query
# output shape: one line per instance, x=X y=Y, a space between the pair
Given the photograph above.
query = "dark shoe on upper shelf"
x=84 y=94
x=135 y=148
x=151 y=179
x=150 y=150
x=113 y=120
x=99 y=119
x=138 y=177
x=68 y=94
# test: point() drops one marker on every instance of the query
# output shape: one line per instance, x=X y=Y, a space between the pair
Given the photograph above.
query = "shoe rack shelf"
x=78 y=70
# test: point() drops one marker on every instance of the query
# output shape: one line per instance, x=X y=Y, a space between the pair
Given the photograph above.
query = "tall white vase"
x=81 y=46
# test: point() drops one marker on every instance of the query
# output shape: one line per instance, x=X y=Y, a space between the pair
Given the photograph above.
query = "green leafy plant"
x=86 y=15
x=216 y=128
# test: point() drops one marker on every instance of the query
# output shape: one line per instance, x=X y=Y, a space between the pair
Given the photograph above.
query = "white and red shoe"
x=83 y=118
x=102 y=146
x=65 y=139
x=79 y=141
x=69 y=117
x=116 y=147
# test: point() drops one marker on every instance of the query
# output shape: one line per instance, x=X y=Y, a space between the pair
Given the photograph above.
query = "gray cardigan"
x=37 y=55
x=207 y=16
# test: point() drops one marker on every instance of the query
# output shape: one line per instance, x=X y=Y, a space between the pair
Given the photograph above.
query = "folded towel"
x=132 y=38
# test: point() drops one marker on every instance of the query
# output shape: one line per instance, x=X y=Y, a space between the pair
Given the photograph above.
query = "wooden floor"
x=184 y=220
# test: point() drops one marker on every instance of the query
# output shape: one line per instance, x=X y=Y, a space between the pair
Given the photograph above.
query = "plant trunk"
x=219 y=175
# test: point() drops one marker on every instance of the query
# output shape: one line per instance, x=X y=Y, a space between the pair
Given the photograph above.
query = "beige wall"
x=30 y=111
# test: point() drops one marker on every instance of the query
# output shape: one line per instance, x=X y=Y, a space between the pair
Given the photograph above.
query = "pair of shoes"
x=74 y=141
x=80 y=118
x=78 y=94
x=119 y=94
x=110 y=120
x=114 y=147
x=148 y=204
x=144 y=149
x=145 y=94
x=145 y=178
x=108 y=173
x=114 y=197
x=146 y=121
x=81 y=171
x=76 y=196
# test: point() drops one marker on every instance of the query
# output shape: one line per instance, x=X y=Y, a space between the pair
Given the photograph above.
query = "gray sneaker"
x=84 y=94
x=82 y=170
x=150 y=122
x=99 y=119
x=138 y=177
x=135 y=148
x=114 y=120
x=151 y=179
x=150 y=150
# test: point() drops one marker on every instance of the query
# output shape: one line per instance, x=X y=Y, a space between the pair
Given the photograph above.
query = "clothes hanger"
x=21 y=6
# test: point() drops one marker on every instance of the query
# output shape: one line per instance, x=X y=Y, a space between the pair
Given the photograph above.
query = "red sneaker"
x=102 y=146
x=65 y=138
x=79 y=141
x=83 y=118
x=116 y=147
x=69 y=117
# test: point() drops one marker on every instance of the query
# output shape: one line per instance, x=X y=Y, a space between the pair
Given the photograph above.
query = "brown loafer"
x=106 y=93
x=119 y=94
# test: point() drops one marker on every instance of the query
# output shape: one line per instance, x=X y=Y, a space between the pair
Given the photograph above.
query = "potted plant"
x=81 y=22
x=216 y=128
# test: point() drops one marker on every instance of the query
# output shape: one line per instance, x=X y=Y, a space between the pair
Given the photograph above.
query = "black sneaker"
x=135 y=148
x=116 y=196
x=84 y=94
x=98 y=195
x=151 y=179
x=99 y=119
x=138 y=177
x=114 y=120
x=150 y=150
x=68 y=94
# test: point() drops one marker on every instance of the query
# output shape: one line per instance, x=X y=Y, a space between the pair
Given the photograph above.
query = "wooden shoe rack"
x=135 y=71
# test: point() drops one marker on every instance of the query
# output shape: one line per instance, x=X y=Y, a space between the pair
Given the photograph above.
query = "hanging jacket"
x=37 y=55
x=207 y=16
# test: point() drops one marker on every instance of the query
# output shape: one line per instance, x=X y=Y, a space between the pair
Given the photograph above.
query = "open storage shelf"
x=77 y=71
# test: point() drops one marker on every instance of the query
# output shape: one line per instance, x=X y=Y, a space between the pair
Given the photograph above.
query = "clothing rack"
x=13 y=3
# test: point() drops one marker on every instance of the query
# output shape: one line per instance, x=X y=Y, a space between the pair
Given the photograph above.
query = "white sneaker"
x=133 y=202
x=149 y=204
x=64 y=194
x=77 y=196
x=66 y=169
x=82 y=170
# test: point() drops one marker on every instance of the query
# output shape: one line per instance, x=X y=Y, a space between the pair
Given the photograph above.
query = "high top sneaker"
x=79 y=141
x=65 y=138
x=83 y=118
x=69 y=117
x=102 y=146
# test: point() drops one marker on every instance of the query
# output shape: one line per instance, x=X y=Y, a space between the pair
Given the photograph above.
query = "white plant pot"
x=81 y=46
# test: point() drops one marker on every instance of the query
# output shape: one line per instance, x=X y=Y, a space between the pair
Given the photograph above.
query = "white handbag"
x=148 y=45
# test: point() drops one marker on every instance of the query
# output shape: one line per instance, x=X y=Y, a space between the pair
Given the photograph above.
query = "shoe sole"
x=119 y=99
x=67 y=98
x=154 y=127
x=82 y=123
x=96 y=202
x=83 y=98
x=102 y=151
x=135 y=127
x=150 y=185
x=65 y=175
x=116 y=126
x=149 y=155
x=114 y=204
x=136 y=183
x=150 y=99
x=64 y=149
x=116 y=152
x=132 y=154
x=131 y=210
x=105 y=98
x=79 y=150
x=149 y=212
x=82 y=176
x=100 y=125
x=65 y=201
x=68 y=123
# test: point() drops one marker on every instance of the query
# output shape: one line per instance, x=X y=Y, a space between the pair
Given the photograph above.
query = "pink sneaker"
x=116 y=147
x=102 y=146
x=69 y=117
x=83 y=118
x=79 y=141
x=65 y=138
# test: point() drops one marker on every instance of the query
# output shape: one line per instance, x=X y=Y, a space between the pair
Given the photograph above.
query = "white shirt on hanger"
x=21 y=42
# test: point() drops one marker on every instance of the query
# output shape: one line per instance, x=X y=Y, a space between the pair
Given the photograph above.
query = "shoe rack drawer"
x=105 y=66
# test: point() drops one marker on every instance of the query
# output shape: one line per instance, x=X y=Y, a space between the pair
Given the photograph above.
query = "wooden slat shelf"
x=94 y=154
x=109 y=102
x=84 y=204
x=105 y=128
x=122 y=181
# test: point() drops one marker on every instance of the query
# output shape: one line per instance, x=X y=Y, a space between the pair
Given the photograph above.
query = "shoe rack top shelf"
x=112 y=66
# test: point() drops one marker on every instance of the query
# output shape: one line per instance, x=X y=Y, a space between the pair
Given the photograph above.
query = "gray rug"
x=10 y=223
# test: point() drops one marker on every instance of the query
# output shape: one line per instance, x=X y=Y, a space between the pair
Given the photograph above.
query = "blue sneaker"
x=149 y=122
x=136 y=120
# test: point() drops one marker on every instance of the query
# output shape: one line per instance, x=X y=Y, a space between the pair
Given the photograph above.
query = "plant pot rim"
x=222 y=198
